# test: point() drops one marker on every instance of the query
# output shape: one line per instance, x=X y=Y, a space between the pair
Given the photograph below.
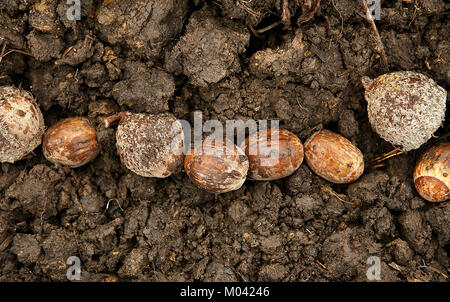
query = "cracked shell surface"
x=150 y=145
x=432 y=173
x=71 y=142
x=217 y=167
x=21 y=124
x=405 y=108
x=273 y=154
x=333 y=157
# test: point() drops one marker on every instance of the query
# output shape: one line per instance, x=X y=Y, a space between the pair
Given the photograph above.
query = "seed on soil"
x=273 y=154
x=150 y=145
x=431 y=175
x=405 y=108
x=333 y=157
x=217 y=166
x=71 y=142
x=21 y=124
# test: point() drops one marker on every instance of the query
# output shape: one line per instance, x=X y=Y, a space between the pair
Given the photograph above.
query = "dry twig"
x=340 y=16
x=375 y=162
x=369 y=19
x=285 y=13
x=3 y=52
x=23 y=52
x=311 y=13
x=252 y=12
x=267 y=28
x=340 y=197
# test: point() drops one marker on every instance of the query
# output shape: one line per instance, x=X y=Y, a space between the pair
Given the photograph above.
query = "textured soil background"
x=218 y=57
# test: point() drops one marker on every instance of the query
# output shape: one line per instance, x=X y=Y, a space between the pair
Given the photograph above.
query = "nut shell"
x=272 y=154
x=405 y=108
x=432 y=173
x=150 y=145
x=71 y=142
x=333 y=157
x=218 y=167
x=21 y=124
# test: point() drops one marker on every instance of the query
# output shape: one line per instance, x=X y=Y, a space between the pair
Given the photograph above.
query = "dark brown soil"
x=212 y=56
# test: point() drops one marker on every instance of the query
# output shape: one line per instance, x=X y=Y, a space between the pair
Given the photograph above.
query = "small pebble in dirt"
x=71 y=142
x=150 y=145
x=21 y=124
x=217 y=166
x=405 y=108
x=273 y=154
x=333 y=157
x=432 y=173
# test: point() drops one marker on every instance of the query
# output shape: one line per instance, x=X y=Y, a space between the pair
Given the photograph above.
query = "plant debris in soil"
x=294 y=61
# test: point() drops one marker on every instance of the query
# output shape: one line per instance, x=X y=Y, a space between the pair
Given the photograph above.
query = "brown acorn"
x=71 y=142
x=333 y=157
x=432 y=173
x=21 y=124
x=150 y=145
x=217 y=167
x=272 y=154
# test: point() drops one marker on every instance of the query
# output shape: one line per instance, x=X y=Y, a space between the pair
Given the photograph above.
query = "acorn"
x=333 y=157
x=21 y=124
x=272 y=154
x=150 y=145
x=71 y=142
x=217 y=167
x=405 y=108
x=432 y=173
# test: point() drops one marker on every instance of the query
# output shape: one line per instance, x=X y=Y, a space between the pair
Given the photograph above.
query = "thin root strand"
x=376 y=162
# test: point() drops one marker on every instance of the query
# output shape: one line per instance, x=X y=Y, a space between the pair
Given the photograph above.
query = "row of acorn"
x=405 y=108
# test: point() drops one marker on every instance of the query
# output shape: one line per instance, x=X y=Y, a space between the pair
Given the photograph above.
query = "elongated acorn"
x=149 y=145
x=405 y=108
x=432 y=173
x=333 y=157
x=217 y=167
x=272 y=154
x=21 y=124
x=71 y=142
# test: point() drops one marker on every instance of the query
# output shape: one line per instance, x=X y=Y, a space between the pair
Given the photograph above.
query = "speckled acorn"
x=21 y=124
x=405 y=108
x=432 y=173
x=217 y=167
x=150 y=145
x=71 y=142
x=333 y=157
x=272 y=154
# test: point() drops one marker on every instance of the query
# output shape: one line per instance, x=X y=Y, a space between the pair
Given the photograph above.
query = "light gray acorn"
x=150 y=145
x=405 y=108
x=21 y=124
